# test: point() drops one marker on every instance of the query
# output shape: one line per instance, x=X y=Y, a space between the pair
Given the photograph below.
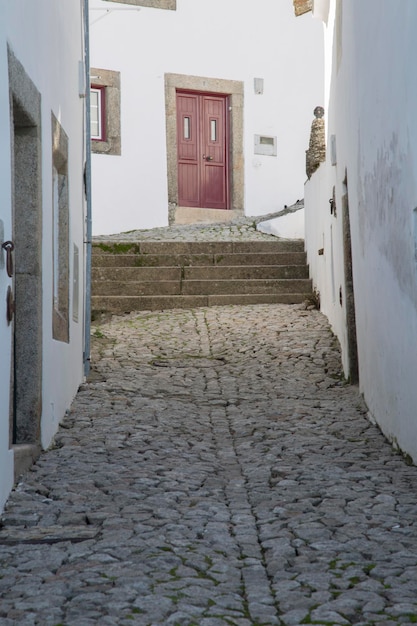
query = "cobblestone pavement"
x=215 y=470
x=239 y=229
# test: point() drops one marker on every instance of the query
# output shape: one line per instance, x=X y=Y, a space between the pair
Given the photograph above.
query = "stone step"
x=236 y=272
x=211 y=272
x=191 y=260
x=136 y=274
x=125 y=304
x=256 y=286
x=197 y=247
x=128 y=276
x=201 y=287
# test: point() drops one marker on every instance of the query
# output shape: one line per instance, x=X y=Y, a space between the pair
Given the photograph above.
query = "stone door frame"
x=235 y=91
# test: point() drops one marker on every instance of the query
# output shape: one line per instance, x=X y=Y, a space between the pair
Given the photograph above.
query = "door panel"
x=189 y=184
x=188 y=148
x=187 y=128
x=202 y=150
x=214 y=189
x=214 y=152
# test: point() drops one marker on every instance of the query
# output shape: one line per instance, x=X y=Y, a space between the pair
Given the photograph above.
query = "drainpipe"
x=88 y=225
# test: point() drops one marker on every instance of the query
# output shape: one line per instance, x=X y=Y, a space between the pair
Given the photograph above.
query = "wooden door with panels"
x=203 y=149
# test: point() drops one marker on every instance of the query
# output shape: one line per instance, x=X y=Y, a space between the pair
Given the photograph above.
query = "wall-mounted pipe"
x=88 y=224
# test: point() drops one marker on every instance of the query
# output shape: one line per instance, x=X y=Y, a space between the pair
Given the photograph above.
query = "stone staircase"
x=156 y=275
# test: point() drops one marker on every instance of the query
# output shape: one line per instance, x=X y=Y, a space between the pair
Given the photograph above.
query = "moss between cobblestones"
x=368 y=568
x=177 y=597
x=98 y=334
x=110 y=578
x=173 y=572
x=205 y=576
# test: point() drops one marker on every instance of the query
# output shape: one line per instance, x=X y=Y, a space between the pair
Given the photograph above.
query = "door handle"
x=10 y=306
x=9 y=247
x=208 y=158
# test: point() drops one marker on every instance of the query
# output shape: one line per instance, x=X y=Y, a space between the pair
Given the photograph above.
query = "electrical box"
x=265 y=145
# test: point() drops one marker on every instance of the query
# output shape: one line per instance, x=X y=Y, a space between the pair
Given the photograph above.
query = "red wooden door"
x=202 y=139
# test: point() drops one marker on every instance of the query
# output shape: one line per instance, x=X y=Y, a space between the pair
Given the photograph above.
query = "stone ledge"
x=49 y=535
x=194 y=215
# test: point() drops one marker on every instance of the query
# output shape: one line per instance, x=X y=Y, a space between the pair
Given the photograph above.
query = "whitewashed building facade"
x=361 y=215
x=203 y=105
x=42 y=223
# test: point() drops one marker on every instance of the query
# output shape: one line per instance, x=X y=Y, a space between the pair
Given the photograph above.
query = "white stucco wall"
x=371 y=110
x=6 y=455
x=289 y=226
x=47 y=39
x=232 y=41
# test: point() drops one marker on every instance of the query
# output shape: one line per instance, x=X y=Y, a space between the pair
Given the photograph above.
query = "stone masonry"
x=302 y=6
x=316 y=152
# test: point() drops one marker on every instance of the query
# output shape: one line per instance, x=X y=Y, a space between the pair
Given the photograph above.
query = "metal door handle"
x=9 y=247
x=10 y=305
x=208 y=158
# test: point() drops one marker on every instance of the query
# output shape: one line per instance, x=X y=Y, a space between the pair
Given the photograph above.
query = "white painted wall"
x=6 y=455
x=231 y=40
x=371 y=110
x=288 y=226
x=47 y=38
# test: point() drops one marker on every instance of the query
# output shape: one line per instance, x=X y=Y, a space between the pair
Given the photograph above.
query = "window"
x=98 y=107
x=213 y=130
x=105 y=111
x=187 y=128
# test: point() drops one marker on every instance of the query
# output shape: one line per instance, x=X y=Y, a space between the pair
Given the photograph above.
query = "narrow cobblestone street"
x=215 y=470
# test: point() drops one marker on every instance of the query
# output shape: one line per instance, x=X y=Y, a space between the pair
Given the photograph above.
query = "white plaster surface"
x=47 y=38
x=290 y=226
x=227 y=40
x=371 y=110
x=6 y=457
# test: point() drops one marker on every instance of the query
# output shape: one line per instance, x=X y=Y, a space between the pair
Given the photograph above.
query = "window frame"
x=109 y=82
x=101 y=109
